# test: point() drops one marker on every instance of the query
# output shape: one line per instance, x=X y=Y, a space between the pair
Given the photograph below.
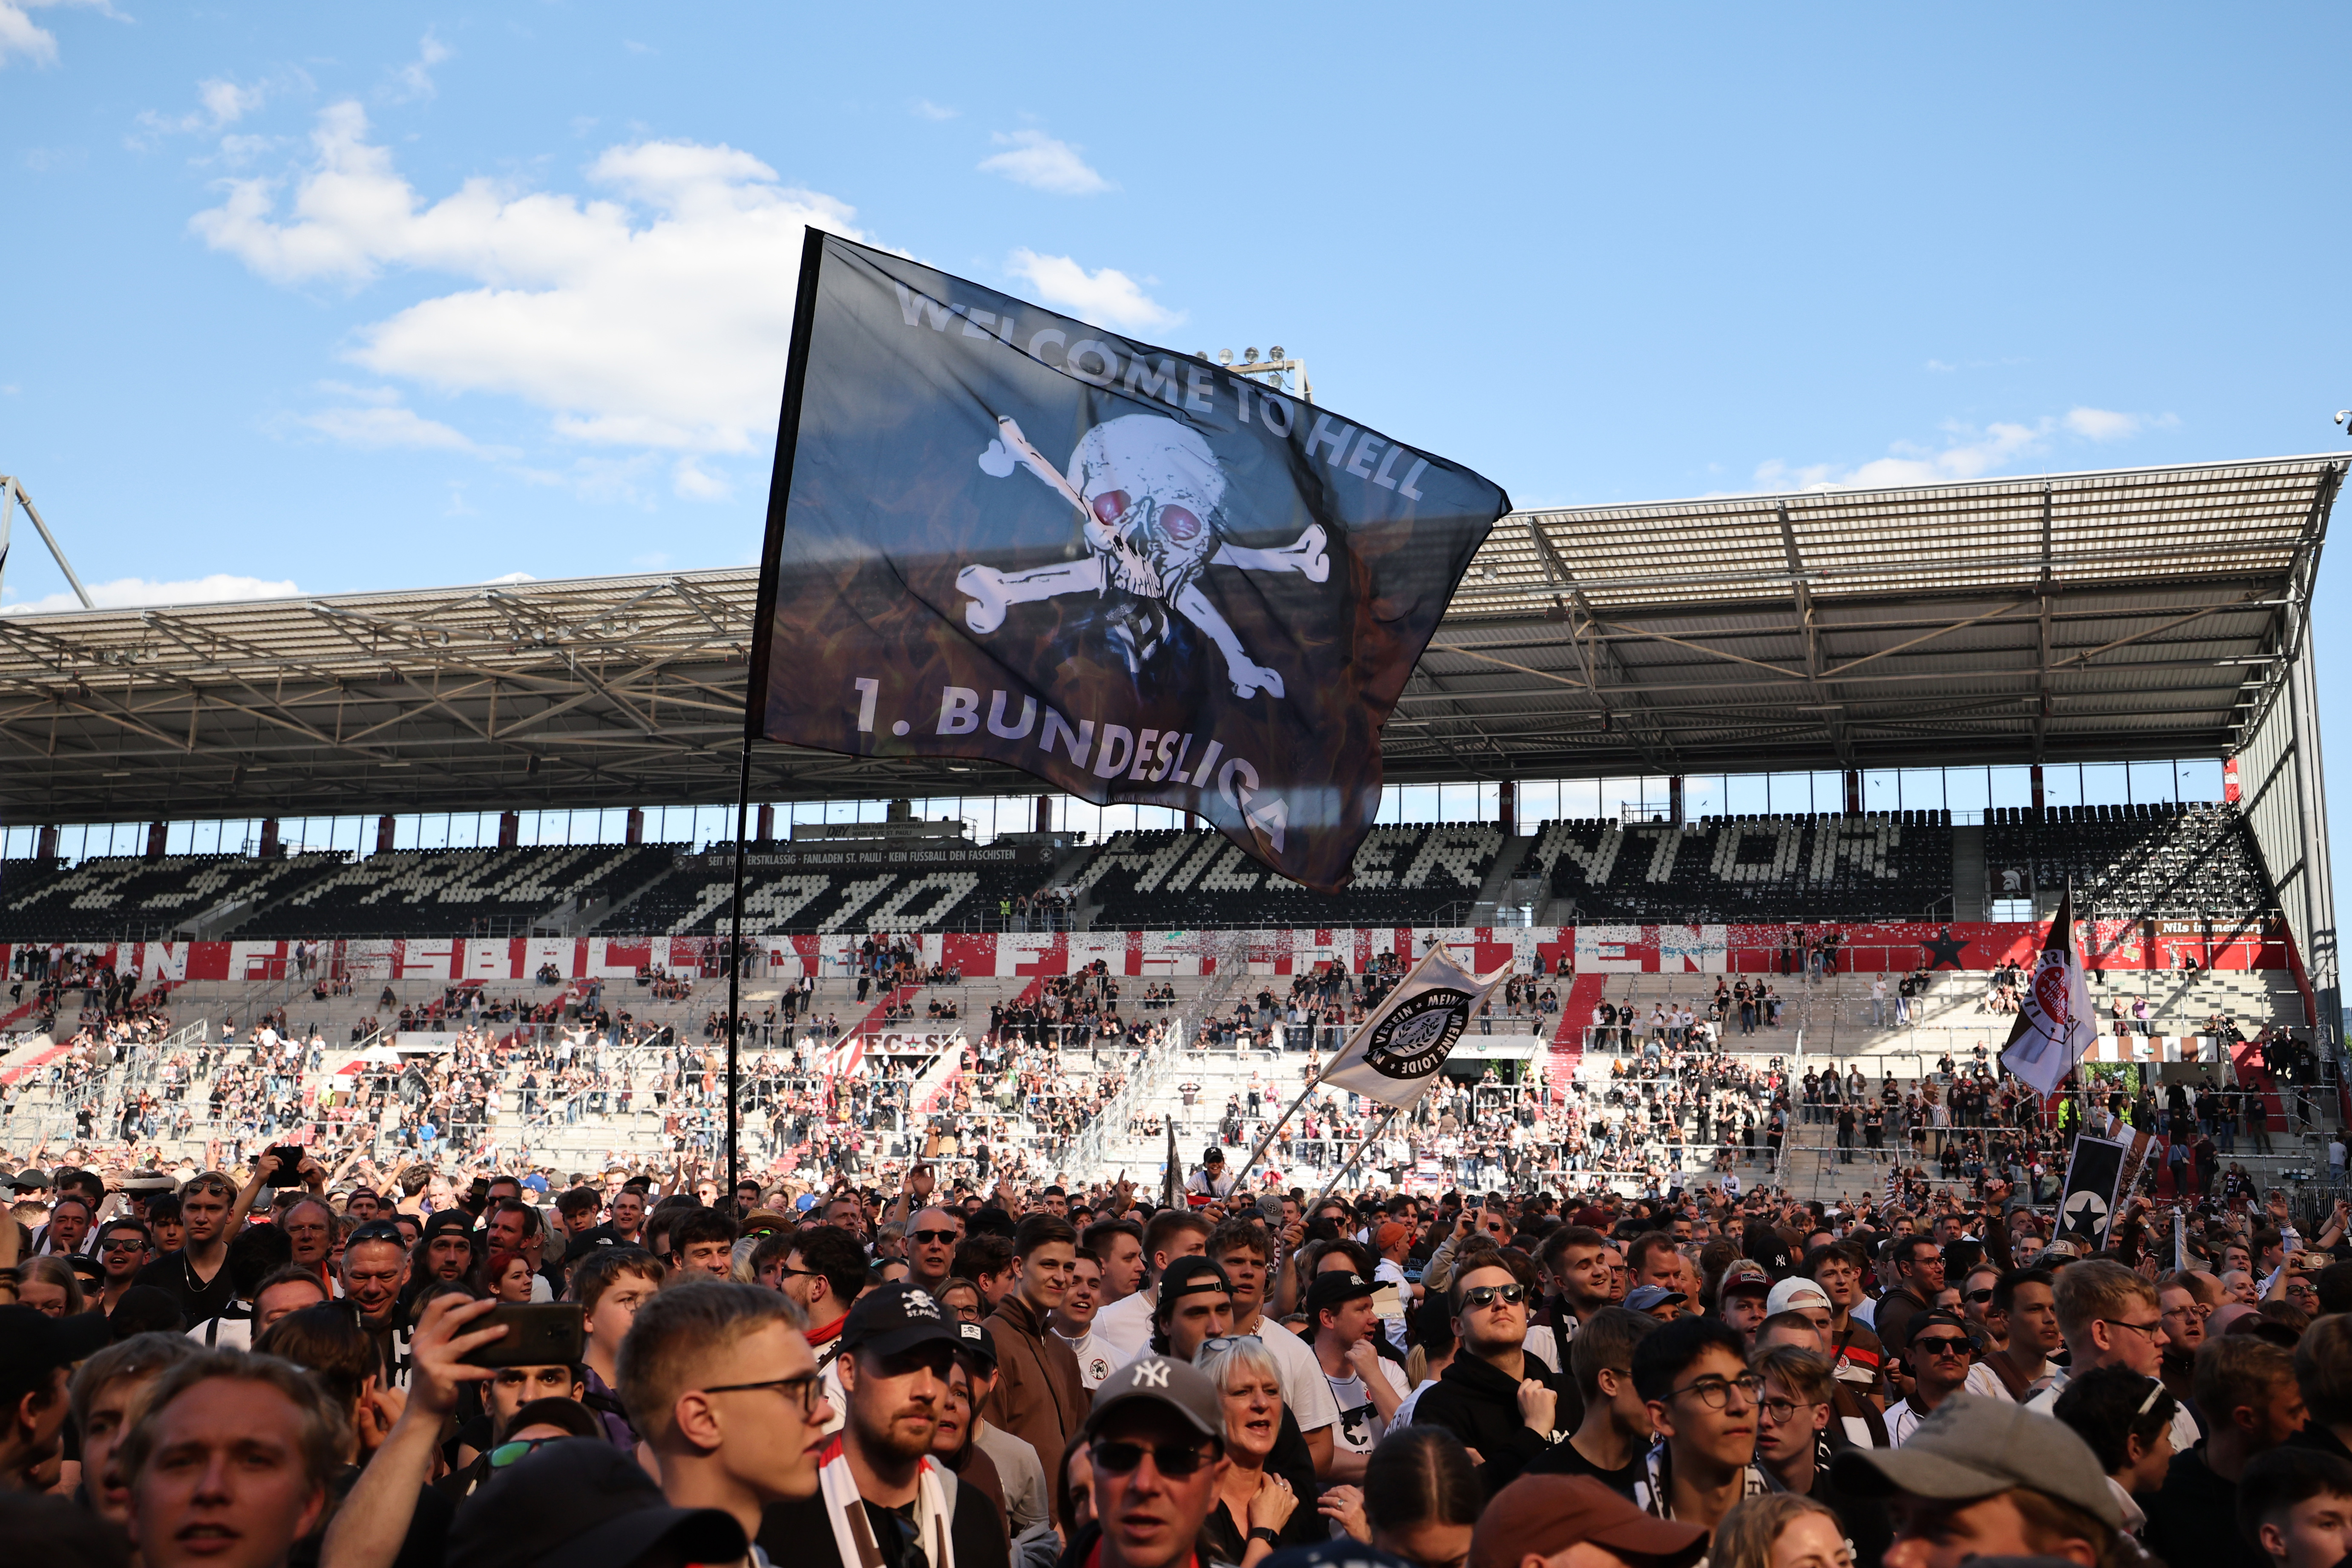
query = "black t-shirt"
x=1562 y=1459
x=199 y=1301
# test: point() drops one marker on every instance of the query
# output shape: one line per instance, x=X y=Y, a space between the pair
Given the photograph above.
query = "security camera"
x=2342 y=414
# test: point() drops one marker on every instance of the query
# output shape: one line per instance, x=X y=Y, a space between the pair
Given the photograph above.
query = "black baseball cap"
x=1187 y=1274
x=898 y=1317
x=32 y=1342
x=1335 y=1288
x=973 y=1343
x=579 y=1502
x=457 y=1220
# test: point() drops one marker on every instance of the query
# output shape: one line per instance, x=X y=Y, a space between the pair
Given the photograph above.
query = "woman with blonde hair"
x=1253 y=1502
x=1779 y=1530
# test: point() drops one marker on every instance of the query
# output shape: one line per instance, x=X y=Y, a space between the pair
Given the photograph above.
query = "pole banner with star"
x=2056 y=1025
x=1002 y=534
x=2086 y=1207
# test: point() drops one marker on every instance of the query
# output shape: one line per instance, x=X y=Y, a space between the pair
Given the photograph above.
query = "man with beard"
x=447 y=1251
x=374 y=1269
x=881 y=1498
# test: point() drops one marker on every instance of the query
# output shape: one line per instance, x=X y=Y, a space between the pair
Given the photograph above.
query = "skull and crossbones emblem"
x=1149 y=495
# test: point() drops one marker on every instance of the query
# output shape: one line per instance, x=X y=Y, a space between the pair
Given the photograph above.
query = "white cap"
x=1790 y=1294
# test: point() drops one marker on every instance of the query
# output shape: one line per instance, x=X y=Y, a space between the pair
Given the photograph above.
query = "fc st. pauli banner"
x=1002 y=534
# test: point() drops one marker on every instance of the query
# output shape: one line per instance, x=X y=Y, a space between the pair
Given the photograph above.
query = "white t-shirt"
x=1094 y=1361
x=1404 y=1411
x=1361 y=1426
x=1124 y=1328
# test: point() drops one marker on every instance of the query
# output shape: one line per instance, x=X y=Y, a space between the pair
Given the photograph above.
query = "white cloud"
x=658 y=318
x=695 y=482
x=1038 y=161
x=509 y=578
x=221 y=103
x=1107 y=296
x=1967 y=452
x=925 y=108
x=21 y=36
x=381 y=430
x=2105 y=425
x=133 y=592
x=414 y=82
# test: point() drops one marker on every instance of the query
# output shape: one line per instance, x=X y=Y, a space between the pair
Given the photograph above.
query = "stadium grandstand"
x=1755 y=794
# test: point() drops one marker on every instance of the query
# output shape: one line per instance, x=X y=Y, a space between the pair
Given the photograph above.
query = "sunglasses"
x=1977 y=1296
x=1942 y=1346
x=933 y=1237
x=121 y=1244
x=1168 y=1459
x=1484 y=1296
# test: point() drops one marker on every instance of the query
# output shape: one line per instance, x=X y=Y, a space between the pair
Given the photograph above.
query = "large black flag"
x=1000 y=533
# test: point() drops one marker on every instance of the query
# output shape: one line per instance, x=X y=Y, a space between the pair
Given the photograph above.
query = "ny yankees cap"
x=1164 y=1381
x=898 y=1317
x=1971 y=1447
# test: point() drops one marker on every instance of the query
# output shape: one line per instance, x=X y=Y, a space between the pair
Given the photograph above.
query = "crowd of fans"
x=292 y=1364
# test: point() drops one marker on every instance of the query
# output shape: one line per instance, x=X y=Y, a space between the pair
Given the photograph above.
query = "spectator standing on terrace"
x=196 y=1275
x=881 y=1497
x=1500 y=1401
x=729 y=1397
x=1611 y=1442
x=1040 y=1396
x=1125 y=1324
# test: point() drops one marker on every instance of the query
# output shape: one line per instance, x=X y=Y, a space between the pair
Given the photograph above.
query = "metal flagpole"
x=1270 y=1132
x=1403 y=981
x=1358 y=1154
x=735 y=979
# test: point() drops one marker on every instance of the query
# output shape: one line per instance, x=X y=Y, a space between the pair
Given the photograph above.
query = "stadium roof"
x=2143 y=613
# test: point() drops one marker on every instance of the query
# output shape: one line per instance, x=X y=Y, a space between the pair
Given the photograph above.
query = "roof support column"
x=155 y=835
x=1507 y=807
x=636 y=833
x=45 y=844
x=383 y=834
x=1854 y=792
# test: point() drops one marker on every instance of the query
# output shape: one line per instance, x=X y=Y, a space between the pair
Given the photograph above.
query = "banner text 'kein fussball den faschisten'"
x=1002 y=534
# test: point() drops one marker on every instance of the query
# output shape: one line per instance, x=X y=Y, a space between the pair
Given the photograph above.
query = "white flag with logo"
x=2056 y=1024
x=1394 y=1054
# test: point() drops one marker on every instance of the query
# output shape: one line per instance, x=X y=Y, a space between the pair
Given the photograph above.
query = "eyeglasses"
x=2156 y=1391
x=2150 y=1330
x=807 y=1389
x=1977 y=1296
x=507 y=1454
x=1714 y=1393
x=1484 y=1296
x=933 y=1237
x=1944 y=1345
x=1782 y=1410
x=1168 y=1459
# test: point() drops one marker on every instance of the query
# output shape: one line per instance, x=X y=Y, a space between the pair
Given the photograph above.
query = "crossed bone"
x=994 y=591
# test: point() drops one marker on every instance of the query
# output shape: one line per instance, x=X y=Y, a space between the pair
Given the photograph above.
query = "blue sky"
x=348 y=296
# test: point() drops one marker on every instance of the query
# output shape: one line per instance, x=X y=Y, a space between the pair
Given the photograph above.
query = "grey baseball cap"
x=1973 y=1447
x=1641 y=1298
x=1163 y=1380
